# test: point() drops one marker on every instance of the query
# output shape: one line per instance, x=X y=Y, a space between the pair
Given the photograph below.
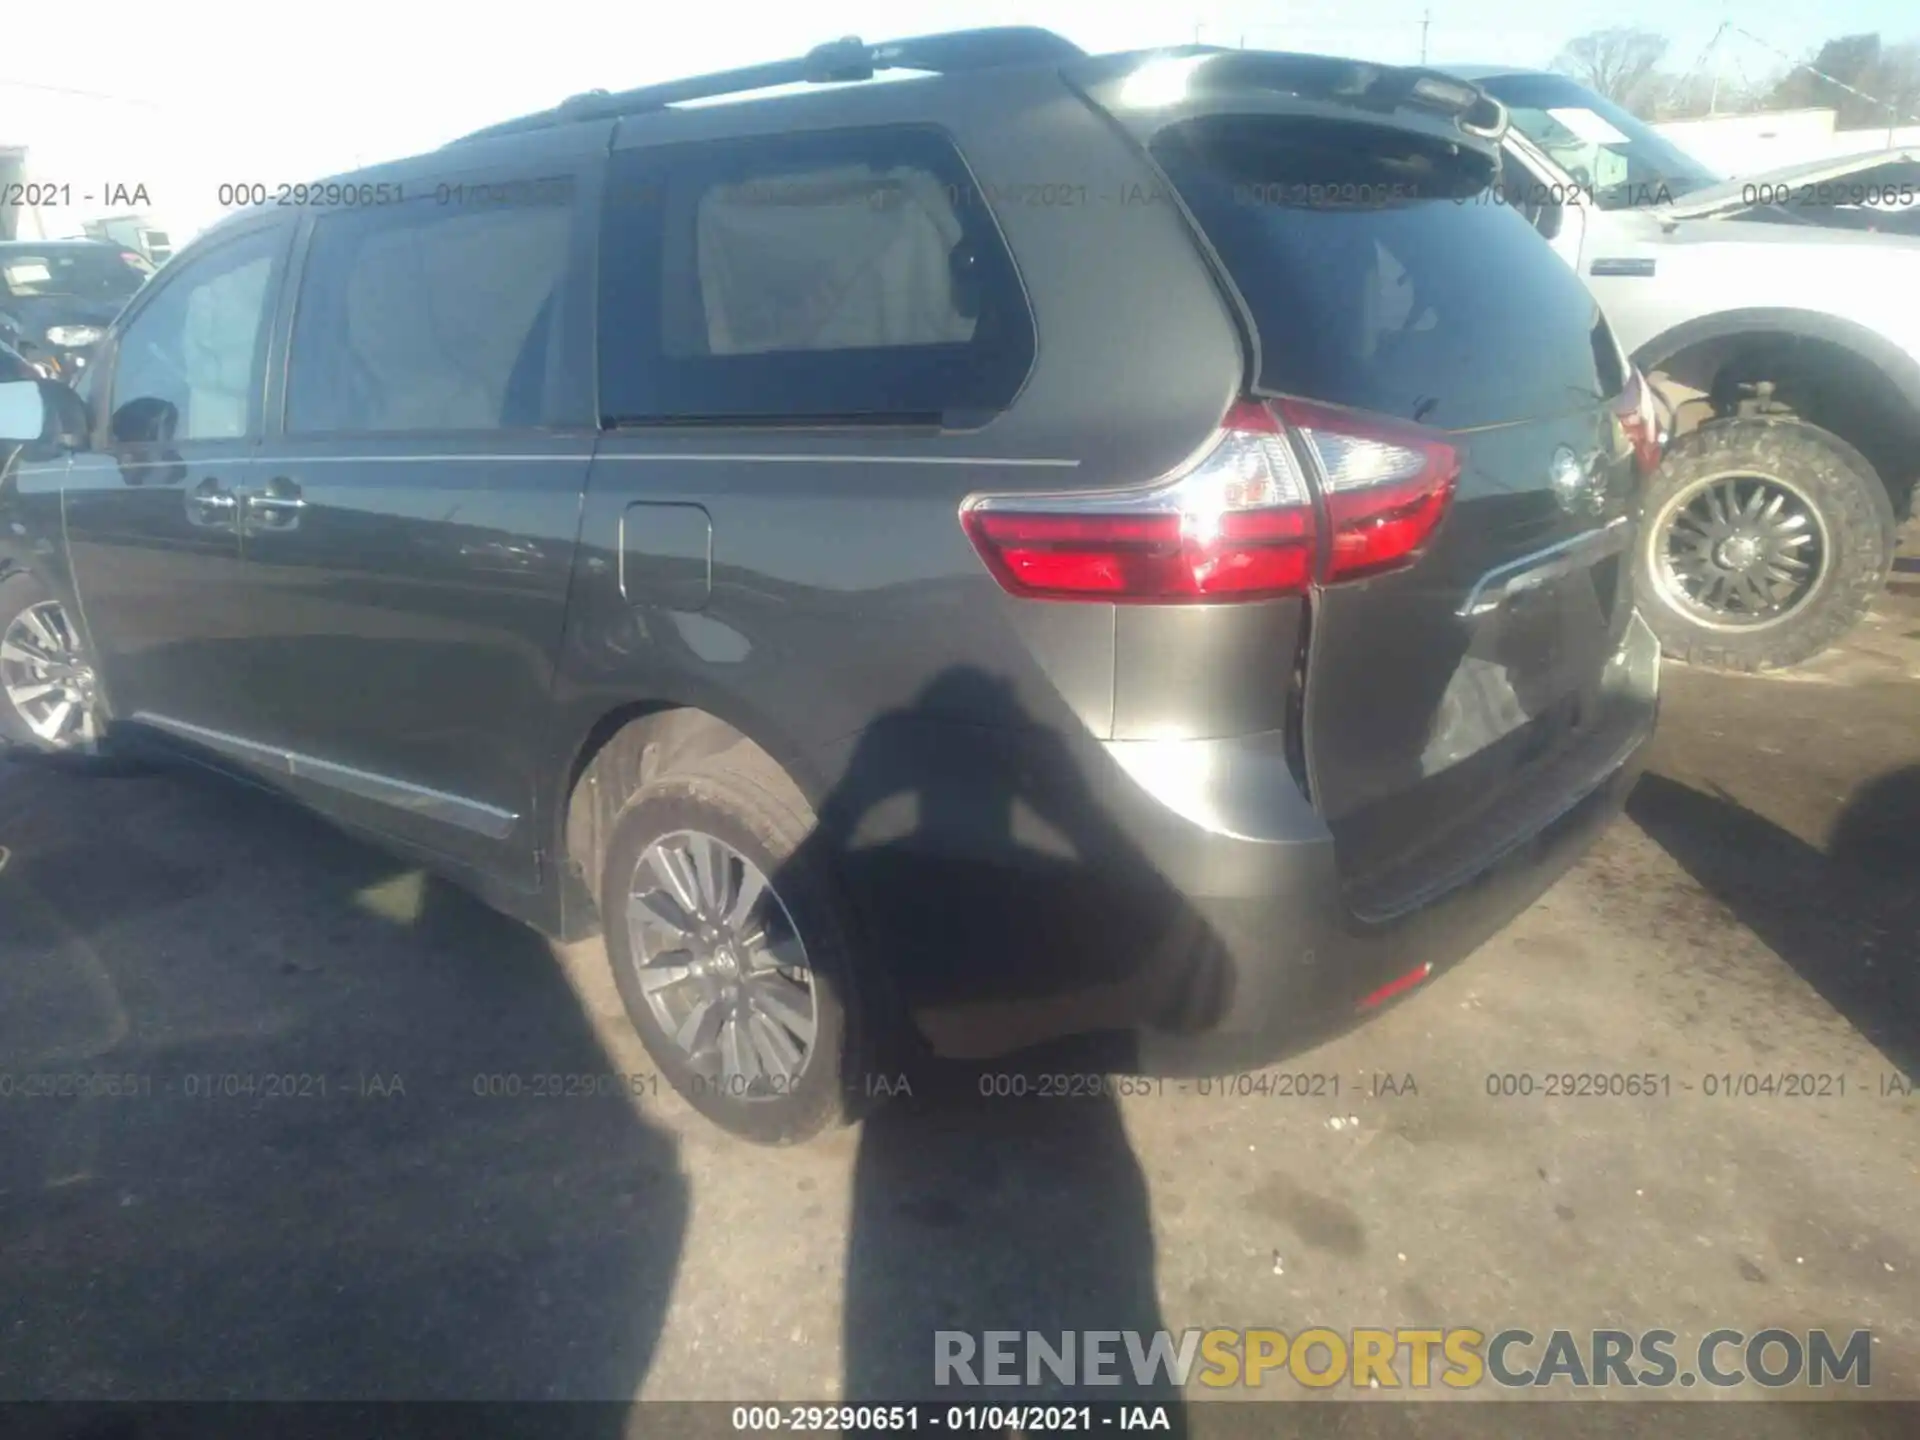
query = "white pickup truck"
x=1786 y=307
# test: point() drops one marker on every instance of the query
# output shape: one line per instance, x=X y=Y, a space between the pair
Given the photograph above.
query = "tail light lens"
x=1640 y=418
x=1387 y=486
x=1237 y=523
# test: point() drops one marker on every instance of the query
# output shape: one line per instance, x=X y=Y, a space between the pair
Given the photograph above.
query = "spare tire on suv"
x=1765 y=540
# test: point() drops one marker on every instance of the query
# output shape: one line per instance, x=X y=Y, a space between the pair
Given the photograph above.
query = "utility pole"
x=1426 y=19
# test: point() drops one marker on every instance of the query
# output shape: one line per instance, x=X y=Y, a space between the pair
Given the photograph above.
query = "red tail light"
x=1236 y=524
x=1641 y=420
x=1387 y=486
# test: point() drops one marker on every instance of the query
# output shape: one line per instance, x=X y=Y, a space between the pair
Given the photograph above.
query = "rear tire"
x=740 y=810
x=1788 y=505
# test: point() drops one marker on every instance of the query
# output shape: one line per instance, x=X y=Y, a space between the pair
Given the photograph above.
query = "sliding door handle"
x=277 y=507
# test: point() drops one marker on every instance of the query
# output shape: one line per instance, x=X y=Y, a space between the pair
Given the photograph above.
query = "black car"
x=1053 y=545
x=57 y=297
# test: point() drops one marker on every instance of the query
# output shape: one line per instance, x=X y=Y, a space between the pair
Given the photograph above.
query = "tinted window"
x=813 y=277
x=429 y=316
x=189 y=364
x=1382 y=275
x=1624 y=161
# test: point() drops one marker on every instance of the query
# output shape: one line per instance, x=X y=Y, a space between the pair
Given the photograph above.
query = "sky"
x=196 y=93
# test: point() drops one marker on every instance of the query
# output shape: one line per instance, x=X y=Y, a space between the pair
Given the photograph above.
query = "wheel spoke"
x=702 y=1023
x=646 y=912
x=752 y=885
x=778 y=1053
x=770 y=956
x=737 y=1061
x=27 y=693
x=655 y=978
x=786 y=1003
x=42 y=631
x=53 y=722
x=668 y=866
x=1690 y=525
x=24 y=651
x=708 y=873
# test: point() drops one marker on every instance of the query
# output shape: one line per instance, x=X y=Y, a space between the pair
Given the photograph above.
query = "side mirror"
x=1550 y=220
x=41 y=410
x=23 y=411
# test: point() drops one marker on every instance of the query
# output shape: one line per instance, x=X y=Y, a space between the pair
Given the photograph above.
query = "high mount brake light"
x=1238 y=523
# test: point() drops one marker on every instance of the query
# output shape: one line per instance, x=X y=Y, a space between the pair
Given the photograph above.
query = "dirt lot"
x=382 y=1230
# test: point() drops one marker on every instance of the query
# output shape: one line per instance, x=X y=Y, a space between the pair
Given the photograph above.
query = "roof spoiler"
x=1197 y=71
x=836 y=62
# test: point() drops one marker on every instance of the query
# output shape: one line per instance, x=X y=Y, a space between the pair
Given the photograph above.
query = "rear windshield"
x=1384 y=274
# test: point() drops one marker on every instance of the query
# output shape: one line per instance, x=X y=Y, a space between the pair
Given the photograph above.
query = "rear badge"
x=1580 y=489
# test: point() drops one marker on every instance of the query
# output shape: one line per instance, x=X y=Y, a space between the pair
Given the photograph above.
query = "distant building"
x=1737 y=145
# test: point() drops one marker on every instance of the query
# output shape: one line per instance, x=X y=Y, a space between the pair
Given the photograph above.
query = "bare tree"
x=1618 y=63
x=1692 y=97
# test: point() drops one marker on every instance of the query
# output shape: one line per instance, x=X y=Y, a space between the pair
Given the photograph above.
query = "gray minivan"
x=1055 y=545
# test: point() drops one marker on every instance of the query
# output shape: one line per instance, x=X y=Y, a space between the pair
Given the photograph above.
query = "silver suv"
x=1776 y=315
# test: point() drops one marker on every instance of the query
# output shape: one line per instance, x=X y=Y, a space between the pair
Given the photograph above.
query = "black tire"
x=743 y=799
x=20 y=591
x=1851 y=505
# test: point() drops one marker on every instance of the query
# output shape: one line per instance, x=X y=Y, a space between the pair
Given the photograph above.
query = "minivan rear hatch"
x=1455 y=701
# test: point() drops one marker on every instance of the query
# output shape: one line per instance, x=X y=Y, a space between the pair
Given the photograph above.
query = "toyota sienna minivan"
x=1053 y=546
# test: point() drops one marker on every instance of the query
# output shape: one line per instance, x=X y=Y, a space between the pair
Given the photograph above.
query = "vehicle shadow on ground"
x=997 y=1195
x=1847 y=921
x=316 y=1158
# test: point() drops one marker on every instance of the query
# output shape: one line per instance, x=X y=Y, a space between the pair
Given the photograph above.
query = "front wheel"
x=48 y=700
x=1766 y=540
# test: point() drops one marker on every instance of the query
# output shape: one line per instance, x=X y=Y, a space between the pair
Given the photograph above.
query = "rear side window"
x=1382 y=275
x=429 y=316
x=835 y=277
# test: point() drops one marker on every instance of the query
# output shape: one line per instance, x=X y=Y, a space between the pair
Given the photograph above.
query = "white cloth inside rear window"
x=832 y=259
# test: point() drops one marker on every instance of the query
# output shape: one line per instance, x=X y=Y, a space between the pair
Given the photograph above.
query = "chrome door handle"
x=278 y=506
x=209 y=505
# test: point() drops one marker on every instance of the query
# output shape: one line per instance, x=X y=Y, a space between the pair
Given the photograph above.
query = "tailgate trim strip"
x=1502 y=583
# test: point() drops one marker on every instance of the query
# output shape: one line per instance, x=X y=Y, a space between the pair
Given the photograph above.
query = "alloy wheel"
x=1739 y=551
x=722 y=966
x=46 y=678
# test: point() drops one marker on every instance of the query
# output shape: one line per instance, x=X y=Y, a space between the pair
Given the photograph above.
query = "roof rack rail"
x=836 y=62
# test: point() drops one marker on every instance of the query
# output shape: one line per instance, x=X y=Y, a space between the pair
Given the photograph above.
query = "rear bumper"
x=1297 y=956
x=1022 y=885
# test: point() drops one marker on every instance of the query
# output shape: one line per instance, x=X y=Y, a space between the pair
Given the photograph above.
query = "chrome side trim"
x=1503 y=582
x=456 y=810
x=233 y=746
